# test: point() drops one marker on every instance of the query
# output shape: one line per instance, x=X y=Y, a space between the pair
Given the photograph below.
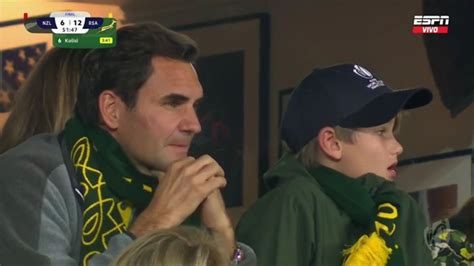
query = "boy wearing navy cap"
x=332 y=198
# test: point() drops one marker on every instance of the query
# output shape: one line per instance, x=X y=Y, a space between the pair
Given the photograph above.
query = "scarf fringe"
x=467 y=255
x=367 y=251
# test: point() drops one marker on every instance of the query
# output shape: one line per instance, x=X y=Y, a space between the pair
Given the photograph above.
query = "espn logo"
x=430 y=24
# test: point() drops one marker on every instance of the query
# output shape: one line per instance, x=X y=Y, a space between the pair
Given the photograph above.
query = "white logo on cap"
x=364 y=73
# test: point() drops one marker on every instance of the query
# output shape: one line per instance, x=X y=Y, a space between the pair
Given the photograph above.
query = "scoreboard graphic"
x=75 y=29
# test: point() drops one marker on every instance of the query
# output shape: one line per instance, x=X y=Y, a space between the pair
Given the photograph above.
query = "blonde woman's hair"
x=178 y=246
x=308 y=155
x=46 y=100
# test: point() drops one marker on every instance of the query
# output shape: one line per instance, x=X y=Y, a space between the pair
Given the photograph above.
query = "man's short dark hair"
x=126 y=67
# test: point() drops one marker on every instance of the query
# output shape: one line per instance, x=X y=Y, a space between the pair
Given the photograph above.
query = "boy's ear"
x=110 y=106
x=329 y=144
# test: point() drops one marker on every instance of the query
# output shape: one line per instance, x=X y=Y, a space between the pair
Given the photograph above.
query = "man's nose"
x=190 y=122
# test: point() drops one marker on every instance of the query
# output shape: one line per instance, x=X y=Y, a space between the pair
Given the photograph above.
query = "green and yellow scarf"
x=377 y=211
x=112 y=187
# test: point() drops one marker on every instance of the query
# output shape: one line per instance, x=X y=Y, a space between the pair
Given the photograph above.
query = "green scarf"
x=378 y=211
x=113 y=189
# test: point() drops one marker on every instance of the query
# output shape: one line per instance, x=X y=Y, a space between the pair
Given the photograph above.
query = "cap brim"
x=385 y=107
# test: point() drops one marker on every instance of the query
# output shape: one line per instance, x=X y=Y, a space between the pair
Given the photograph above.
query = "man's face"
x=159 y=129
x=372 y=150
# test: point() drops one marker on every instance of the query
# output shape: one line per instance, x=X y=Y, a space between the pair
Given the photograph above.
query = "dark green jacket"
x=296 y=223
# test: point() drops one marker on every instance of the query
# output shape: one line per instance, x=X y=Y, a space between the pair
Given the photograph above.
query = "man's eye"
x=381 y=132
x=172 y=103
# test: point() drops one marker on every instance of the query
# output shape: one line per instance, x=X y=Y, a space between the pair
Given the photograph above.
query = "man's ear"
x=329 y=144
x=110 y=108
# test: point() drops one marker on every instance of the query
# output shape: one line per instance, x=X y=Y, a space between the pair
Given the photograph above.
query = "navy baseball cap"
x=345 y=95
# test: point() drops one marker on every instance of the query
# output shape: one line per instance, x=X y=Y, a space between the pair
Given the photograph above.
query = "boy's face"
x=372 y=150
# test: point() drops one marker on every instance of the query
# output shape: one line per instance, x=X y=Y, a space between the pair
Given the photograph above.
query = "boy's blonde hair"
x=308 y=155
x=182 y=245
